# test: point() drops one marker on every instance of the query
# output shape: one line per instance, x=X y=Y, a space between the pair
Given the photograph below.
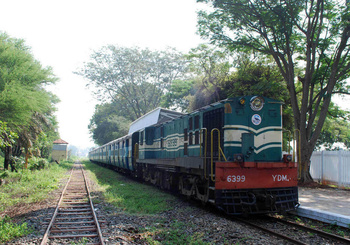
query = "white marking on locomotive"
x=280 y=177
x=264 y=138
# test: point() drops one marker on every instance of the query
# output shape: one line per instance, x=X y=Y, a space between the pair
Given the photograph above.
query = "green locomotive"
x=228 y=154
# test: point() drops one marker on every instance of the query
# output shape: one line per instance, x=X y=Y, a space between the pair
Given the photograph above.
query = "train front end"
x=256 y=177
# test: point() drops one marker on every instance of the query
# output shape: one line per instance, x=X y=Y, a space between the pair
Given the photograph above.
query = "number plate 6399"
x=235 y=178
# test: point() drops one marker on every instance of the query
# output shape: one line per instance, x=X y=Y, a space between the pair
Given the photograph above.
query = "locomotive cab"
x=255 y=177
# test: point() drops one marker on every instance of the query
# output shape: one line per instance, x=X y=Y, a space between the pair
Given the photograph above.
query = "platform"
x=325 y=204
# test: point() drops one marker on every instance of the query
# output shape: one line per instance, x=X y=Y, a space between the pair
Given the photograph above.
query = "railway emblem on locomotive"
x=256 y=119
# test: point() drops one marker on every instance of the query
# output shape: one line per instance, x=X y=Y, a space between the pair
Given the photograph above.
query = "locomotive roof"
x=158 y=115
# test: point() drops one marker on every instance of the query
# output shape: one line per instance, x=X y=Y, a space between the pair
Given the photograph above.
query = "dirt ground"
x=123 y=228
x=325 y=198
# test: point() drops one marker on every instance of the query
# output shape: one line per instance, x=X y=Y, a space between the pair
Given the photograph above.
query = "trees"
x=138 y=77
x=211 y=68
x=179 y=95
x=130 y=82
x=7 y=139
x=260 y=76
x=25 y=105
x=309 y=42
x=108 y=123
x=336 y=130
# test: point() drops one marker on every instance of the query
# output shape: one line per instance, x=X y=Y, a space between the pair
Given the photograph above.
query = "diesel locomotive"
x=228 y=153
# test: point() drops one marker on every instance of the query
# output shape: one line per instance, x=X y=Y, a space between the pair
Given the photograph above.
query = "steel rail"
x=301 y=227
x=46 y=235
x=319 y=232
x=269 y=231
x=93 y=210
x=84 y=210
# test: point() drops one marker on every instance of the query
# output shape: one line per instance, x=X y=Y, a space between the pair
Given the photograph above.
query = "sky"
x=63 y=34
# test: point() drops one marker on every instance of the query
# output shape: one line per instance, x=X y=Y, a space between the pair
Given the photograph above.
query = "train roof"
x=157 y=116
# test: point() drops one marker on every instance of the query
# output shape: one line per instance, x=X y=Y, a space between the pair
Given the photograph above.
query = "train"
x=227 y=154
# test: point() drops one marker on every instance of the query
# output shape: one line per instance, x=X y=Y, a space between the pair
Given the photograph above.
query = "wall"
x=331 y=167
x=59 y=152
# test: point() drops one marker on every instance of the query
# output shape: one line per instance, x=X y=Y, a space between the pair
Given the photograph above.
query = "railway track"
x=74 y=219
x=292 y=232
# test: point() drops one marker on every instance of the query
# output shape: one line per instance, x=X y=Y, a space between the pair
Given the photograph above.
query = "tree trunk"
x=13 y=165
x=304 y=172
x=26 y=159
x=8 y=152
x=304 y=162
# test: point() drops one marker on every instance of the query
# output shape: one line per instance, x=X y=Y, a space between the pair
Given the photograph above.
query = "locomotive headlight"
x=257 y=103
x=242 y=101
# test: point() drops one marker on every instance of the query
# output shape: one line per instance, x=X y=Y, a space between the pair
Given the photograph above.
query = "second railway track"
x=74 y=218
x=292 y=232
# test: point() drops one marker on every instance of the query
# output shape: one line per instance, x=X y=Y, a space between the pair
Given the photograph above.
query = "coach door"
x=211 y=120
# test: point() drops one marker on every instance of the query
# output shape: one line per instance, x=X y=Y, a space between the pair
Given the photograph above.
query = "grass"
x=140 y=199
x=9 y=230
x=26 y=187
x=131 y=196
x=176 y=234
x=30 y=186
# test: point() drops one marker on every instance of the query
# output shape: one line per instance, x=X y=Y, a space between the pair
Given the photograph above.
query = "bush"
x=19 y=162
x=4 y=174
x=9 y=230
x=37 y=163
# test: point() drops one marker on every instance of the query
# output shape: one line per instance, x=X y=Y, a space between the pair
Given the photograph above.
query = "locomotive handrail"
x=205 y=149
x=289 y=136
x=223 y=155
x=212 y=151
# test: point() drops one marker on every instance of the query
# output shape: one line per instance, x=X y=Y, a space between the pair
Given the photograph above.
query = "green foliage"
x=4 y=174
x=38 y=163
x=10 y=230
x=177 y=234
x=7 y=137
x=130 y=82
x=25 y=105
x=130 y=196
x=258 y=76
x=179 y=95
x=336 y=129
x=107 y=124
x=19 y=162
x=21 y=82
x=137 y=77
x=31 y=186
x=211 y=67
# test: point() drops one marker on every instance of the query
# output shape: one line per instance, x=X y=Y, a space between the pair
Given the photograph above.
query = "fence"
x=331 y=167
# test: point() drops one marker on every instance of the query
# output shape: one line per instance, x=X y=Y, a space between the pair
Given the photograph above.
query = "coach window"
x=196 y=138
x=185 y=134
x=127 y=148
x=190 y=139
x=190 y=123
x=141 y=137
x=196 y=122
x=149 y=135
